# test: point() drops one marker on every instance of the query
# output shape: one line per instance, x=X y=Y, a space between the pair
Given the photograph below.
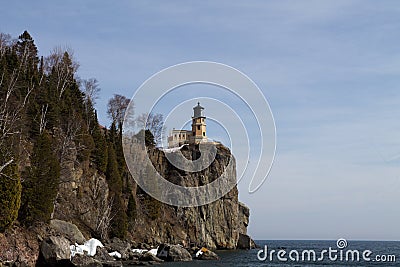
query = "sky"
x=330 y=71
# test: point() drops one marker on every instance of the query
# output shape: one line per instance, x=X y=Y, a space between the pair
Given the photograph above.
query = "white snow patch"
x=174 y=149
x=92 y=244
x=78 y=249
x=90 y=247
x=140 y=251
x=198 y=253
x=115 y=254
x=153 y=251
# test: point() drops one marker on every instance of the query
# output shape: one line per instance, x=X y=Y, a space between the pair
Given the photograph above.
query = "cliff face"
x=83 y=196
x=83 y=199
x=215 y=225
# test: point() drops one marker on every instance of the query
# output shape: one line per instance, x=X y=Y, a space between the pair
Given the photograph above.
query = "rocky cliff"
x=83 y=199
x=83 y=196
x=216 y=225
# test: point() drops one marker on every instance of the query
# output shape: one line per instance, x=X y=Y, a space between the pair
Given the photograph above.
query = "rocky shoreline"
x=61 y=243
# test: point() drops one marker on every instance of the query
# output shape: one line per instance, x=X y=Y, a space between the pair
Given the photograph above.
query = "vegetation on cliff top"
x=47 y=116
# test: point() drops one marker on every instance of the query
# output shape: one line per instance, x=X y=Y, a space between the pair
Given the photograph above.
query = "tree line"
x=47 y=116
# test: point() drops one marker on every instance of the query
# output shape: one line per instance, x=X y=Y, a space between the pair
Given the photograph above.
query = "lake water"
x=374 y=251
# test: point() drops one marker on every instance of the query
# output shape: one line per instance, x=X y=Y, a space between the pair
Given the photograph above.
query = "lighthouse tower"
x=198 y=125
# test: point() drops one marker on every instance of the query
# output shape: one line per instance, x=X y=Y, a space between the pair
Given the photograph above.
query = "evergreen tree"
x=151 y=205
x=131 y=211
x=41 y=182
x=112 y=173
x=26 y=48
x=27 y=53
x=99 y=154
x=119 y=221
x=119 y=224
x=10 y=195
x=112 y=135
x=149 y=139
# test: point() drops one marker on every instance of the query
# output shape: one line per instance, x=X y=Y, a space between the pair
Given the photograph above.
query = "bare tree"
x=5 y=42
x=154 y=123
x=43 y=122
x=11 y=111
x=103 y=206
x=91 y=89
x=62 y=63
x=116 y=108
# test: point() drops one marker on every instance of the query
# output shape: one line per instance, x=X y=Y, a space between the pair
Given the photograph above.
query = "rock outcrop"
x=70 y=230
x=19 y=245
x=173 y=253
x=244 y=240
x=216 y=225
x=206 y=254
x=55 y=250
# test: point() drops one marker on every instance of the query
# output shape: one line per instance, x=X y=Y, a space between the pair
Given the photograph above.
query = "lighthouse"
x=195 y=136
x=198 y=125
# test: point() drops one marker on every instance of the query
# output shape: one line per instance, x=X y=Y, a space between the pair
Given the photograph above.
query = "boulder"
x=169 y=252
x=207 y=254
x=129 y=263
x=123 y=247
x=55 y=249
x=113 y=264
x=253 y=244
x=102 y=255
x=85 y=261
x=70 y=230
x=193 y=250
x=150 y=257
x=134 y=255
x=243 y=242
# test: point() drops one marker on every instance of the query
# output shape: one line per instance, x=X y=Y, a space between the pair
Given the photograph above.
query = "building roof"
x=198 y=110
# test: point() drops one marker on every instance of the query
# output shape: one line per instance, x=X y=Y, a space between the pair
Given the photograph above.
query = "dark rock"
x=131 y=263
x=243 y=218
x=253 y=244
x=113 y=264
x=208 y=255
x=134 y=255
x=123 y=247
x=19 y=264
x=55 y=249
x=70 y=230
x=19 y=245
x=143 y=246
x=245 y=242
x=173 y=253
x=150 y=257
x=193 y=250
x=102 y=255
x=85 y=261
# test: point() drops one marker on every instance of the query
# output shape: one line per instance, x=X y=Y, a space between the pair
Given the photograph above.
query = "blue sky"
x=329 y=69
